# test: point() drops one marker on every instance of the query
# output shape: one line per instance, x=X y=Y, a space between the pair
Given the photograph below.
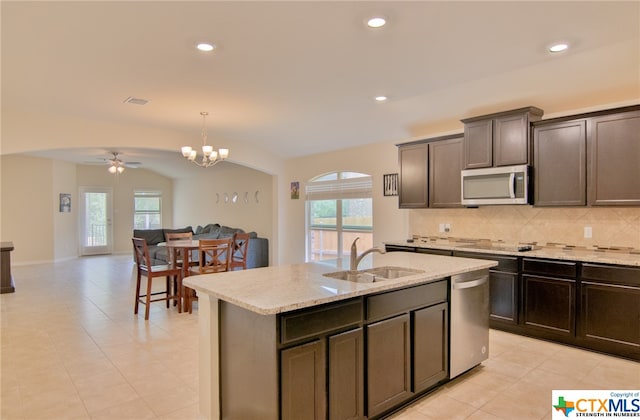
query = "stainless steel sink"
x=373 y=275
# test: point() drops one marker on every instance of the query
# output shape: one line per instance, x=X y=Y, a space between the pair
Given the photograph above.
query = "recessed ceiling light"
x=558 y=47
x=203 y=46
x=376 y=22
x=380 y=98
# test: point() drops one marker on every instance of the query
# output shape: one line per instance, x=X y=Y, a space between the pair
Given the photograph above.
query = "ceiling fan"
x=117 y=165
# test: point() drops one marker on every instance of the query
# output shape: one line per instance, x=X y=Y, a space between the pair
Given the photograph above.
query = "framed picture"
x=65 y=203
x=295 y=190
x=390 y=184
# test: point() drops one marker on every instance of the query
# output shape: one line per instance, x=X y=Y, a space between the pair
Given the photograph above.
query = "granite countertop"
x=272 y=290
x=613 y=255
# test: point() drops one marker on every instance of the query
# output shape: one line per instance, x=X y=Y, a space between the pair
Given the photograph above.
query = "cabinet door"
x=388 y=364
x=503 y=295
x=303 y=382
x=510 y=140
x=445 y=164
x=478 y=144
x=346 y=380
x=560 y=164
x=549 y=304
x=430 y=346
x=413 y=176
x=610 y=318
x=614 y=170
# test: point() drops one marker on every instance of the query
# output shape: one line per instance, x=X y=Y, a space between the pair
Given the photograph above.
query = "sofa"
x=257 y=253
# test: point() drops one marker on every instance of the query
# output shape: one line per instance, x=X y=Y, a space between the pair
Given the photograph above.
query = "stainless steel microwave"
x=501 y=185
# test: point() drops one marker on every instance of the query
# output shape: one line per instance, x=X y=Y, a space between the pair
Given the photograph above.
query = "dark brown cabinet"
x=610 y=309
x=445 y=164
x=388 y=364
x=303 y=382
x=500 y=139
x=614 y=163
x=549 y=297
x=560 y=163
x=414 y=175
x=408 y=350
x=346 y=378
x=430 y=346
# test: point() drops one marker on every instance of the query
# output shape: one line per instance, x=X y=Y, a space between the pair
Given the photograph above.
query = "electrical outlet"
x=588 y=232
x=447 y=227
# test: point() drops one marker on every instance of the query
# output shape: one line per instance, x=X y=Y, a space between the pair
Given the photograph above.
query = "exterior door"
x=96 y=227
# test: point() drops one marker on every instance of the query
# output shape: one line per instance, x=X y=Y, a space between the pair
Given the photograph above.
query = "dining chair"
x=240 y=251
x=214 y=256
x=145 y=268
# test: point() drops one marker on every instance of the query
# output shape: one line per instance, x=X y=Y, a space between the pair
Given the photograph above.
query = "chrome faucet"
x=355 y=258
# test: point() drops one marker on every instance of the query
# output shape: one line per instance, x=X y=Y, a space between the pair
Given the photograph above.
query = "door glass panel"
x=95 y=219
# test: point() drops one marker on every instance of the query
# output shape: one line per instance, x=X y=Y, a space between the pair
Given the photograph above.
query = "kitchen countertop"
x=277 y=289
x=629 y=257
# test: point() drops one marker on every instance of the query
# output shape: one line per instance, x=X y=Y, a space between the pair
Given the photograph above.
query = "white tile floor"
x=71 y=348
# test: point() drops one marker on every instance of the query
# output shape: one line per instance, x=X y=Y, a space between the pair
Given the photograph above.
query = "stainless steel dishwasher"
x=469 y=323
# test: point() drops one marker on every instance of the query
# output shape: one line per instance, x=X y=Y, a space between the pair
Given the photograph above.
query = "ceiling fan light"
x=120 y=169
x=112 y=169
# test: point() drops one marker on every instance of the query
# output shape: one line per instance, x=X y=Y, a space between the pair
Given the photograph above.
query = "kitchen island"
x=273 y=340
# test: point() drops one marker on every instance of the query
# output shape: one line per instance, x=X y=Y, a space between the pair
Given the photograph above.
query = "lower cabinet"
x=346 y=378
x=303 y=382
x=408 y=350
x=388 y=363
x=610 y=309
x=549 y=297
x=304 y=373
x=549 y=304
x=430 y=346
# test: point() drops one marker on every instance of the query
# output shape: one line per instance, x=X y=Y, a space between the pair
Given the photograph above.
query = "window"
x=147 y=210
x=339 y=209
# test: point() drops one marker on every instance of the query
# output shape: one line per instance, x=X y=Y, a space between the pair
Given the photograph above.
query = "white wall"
x=30 y=200
x=124 y=186
x=200 y=200
x=376 y=160
x=65 y=225
x=27 y=208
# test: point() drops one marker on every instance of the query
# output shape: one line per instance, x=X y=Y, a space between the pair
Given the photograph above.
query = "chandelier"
x=209 y=156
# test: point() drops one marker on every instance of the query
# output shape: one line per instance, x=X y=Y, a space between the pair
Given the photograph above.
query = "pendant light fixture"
x=209 y=156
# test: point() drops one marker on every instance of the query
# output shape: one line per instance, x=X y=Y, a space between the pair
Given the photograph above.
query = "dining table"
x=187 y=246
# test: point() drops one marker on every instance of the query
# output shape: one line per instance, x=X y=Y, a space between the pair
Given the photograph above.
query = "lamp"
x=209 y=156
x=117 y=166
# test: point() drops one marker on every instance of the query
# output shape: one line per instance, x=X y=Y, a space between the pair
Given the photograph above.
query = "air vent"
x=135 y=101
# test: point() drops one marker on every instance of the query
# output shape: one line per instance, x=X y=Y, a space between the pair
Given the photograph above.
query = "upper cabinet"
x=560 y=163
x=414 y=184
x=445 y=164
x=500 y=139
x=614 y=162
x=430 y=172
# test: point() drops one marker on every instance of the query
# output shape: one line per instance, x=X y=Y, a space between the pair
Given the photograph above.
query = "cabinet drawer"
x=432 y=251
x=506 y=264
x=621 y=275
x=399 y=248
x=399 y=301
x=553 y=268
x=313 y=322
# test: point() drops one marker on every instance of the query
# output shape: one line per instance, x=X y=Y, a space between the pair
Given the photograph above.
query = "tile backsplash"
x=610 y=226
